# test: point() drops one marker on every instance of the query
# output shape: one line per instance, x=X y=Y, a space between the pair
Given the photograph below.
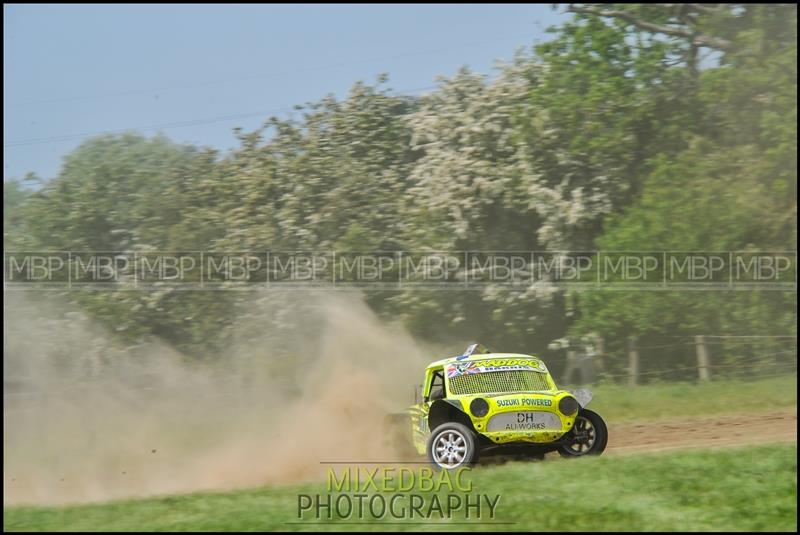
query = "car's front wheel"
x=589 y=436
x=452 y=445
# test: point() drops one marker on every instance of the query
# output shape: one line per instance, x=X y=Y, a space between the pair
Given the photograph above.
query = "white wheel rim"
x=449 y=449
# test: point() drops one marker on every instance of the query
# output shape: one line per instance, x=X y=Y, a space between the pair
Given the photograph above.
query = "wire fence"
x=765 y=370
x=723 y=362
x=687 y=358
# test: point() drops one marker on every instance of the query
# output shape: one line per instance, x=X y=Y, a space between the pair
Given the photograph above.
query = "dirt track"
x=714 y=431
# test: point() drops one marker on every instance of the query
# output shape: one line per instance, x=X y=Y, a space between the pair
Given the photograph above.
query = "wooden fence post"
x=601 y=356
x=571 y=366
x=633 y=362
x=703 y=364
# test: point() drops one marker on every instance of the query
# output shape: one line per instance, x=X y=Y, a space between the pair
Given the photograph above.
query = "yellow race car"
x=482 y=401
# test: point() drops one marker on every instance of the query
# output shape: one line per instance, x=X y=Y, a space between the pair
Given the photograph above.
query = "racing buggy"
x=483 y=402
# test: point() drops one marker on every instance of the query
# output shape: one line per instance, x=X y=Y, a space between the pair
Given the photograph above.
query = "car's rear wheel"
x=589 y=436
x=452 y=445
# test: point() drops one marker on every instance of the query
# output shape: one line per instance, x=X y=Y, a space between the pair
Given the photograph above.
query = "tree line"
x=634 y=127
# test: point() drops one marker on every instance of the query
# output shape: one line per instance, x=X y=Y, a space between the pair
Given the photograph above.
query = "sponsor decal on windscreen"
x=498 y=365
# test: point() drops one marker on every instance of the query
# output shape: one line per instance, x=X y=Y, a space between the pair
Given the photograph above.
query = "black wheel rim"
x=585 y=436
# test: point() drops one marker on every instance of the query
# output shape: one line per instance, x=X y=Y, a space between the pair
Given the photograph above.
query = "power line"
x=254 y=77
x=178 y=124
x=164 y=126
x=208 y=120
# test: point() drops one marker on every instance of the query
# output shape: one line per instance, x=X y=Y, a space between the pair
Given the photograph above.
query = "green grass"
x=674 y=400
x=733 y=489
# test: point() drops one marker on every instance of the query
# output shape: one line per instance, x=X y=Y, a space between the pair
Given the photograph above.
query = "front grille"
x=493 y=382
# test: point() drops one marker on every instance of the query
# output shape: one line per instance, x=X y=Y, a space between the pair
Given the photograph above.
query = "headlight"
x=479 y=407
x=568 y=405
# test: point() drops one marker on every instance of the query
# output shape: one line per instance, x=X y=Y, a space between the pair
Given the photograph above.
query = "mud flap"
x=583 y=395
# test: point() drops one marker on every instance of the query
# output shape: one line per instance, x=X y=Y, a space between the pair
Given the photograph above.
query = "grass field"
x=733 y=489
x=619 y=403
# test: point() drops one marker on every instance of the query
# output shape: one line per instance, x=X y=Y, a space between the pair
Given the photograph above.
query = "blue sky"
x=73 y=70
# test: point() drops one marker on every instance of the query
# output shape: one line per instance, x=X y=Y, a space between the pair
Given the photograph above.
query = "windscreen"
x=496 y=376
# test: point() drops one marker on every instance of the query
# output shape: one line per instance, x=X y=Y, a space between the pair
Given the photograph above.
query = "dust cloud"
x=87 y=421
